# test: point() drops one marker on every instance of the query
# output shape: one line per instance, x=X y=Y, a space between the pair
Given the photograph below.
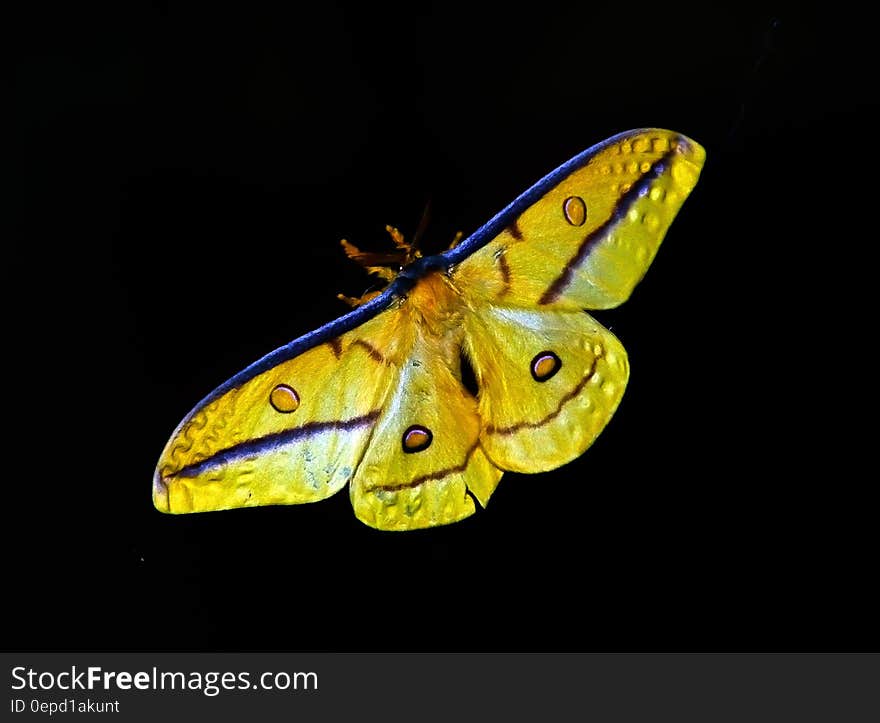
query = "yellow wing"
x=589 y=239
x=549 y=382
x=293 y=434
x=425 y=451
x=550 y=376
x=381 y=406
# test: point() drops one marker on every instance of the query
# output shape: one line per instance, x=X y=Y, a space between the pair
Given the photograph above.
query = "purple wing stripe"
x=273 y=441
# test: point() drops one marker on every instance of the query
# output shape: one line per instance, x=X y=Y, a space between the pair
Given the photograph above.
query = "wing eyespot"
x=416 y=438
x=575 y=210
x=284 y=399
x=545 y=365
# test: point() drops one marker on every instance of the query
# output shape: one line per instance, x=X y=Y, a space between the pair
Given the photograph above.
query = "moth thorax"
x=434 y=298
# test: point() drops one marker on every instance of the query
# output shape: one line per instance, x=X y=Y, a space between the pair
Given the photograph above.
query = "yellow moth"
x=375 y=400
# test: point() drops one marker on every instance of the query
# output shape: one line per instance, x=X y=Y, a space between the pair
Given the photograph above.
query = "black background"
x=186 y=174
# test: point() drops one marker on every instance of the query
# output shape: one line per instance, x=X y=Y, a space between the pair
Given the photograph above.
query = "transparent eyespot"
x=416 y=438
x=545 y=365
x=284 y=399
x=575 y=210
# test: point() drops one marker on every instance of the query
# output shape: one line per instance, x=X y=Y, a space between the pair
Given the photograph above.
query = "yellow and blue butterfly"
x=376 y=399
